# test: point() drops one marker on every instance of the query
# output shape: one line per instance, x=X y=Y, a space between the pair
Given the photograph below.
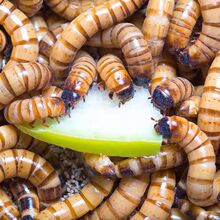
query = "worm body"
x=116 y=77
x=156 y=24
x=79 y=204
x=200 y=155
x=27 y=199
x=21 y=31
x=85 y=26
x=160 y=197
x=3 y=40
x=176 y=214
x=123 y=200
x=80 y=78
x=23 y=78
x=8 y=210
x=184 y=18
x=30 y=166
x=171 y=92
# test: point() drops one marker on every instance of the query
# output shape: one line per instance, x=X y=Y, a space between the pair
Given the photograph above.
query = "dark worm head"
x=27 y=217
x=162 y=99
x=183 y=57
x=141 y=81
x=126 y=94
x=70 y=98
x=162 y=127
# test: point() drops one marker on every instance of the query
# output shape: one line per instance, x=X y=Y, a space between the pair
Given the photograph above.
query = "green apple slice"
x=100 y=126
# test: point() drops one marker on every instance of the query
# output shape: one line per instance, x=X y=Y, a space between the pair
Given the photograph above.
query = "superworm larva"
x=22 y=78
x=8 y=211
x=156 y=24
x=169 y=157
x=80 y=78
x=200 y=153
x=171 y=92
x=165 y=69
x=38 y=107
x=27 y=199
x=85 y=26
x=184 y=18
x=204 y=49
x=160 y=197
x=77 y=205
x=21 y=31
x=3 y=40
x=28 y=165
x=116 y=77
x=123 y=200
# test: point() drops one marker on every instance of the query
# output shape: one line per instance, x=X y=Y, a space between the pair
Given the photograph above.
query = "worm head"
x=162 y=127
x=183 y=57
x=70 y=98
x=126 y=94
x=141 y=81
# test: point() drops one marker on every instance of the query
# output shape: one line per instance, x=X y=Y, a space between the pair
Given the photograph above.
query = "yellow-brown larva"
x=116 y=77
x=8 y=210
x=135 y=49
x=22 y=33
x=28 y=165
x=200 y=153
x=3 y=40
x=85 y=26
x=79 y=80
x=160 y=197
x=38 y=107
x=22 y=78
x=184 y=18
x=171 y=92
x=123 y=200
x=169 y=157
x=26 y=197
x=77 y=205
x=156 y=24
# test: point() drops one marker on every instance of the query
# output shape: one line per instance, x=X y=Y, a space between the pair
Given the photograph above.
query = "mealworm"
x=156 y=24
x=23 y=78
x=184 y=18
x=85 y=26
x=8 y=210
x=171 y=92
x=27 y=199
x=79 y=80
x=160 y=197
x=77 y=205
x=30 y=166
x=38 y=107
x=116 y=77
x=176 y=214
x=200 y=153
x=190 y=107
x=165 y=69
x=204 y=49
x=71 y=9
x=123 y=200
x=169 y=157
x=3 y=40
x=22 y=33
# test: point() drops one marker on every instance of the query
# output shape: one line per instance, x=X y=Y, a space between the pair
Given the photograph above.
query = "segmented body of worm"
x=21 y=31
x=166 y=69
x=71 y=9
x=169 y=157
x=85 y=26
x=38 y=107
x=22 y=78
x=3 y=41
x=116 y=77
x=123 y=200
x=80 y=79
x=184 y=18
x=77 y=205
x=171 y=92
x=160 y=197
x=27 y=199
x=209 y=116
x=8 y=210
x=30 y=166
x=204 y=49
x=156 y=24
x=200 y=153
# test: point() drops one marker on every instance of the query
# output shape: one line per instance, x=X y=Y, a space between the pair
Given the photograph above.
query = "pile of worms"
x=53 y=51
